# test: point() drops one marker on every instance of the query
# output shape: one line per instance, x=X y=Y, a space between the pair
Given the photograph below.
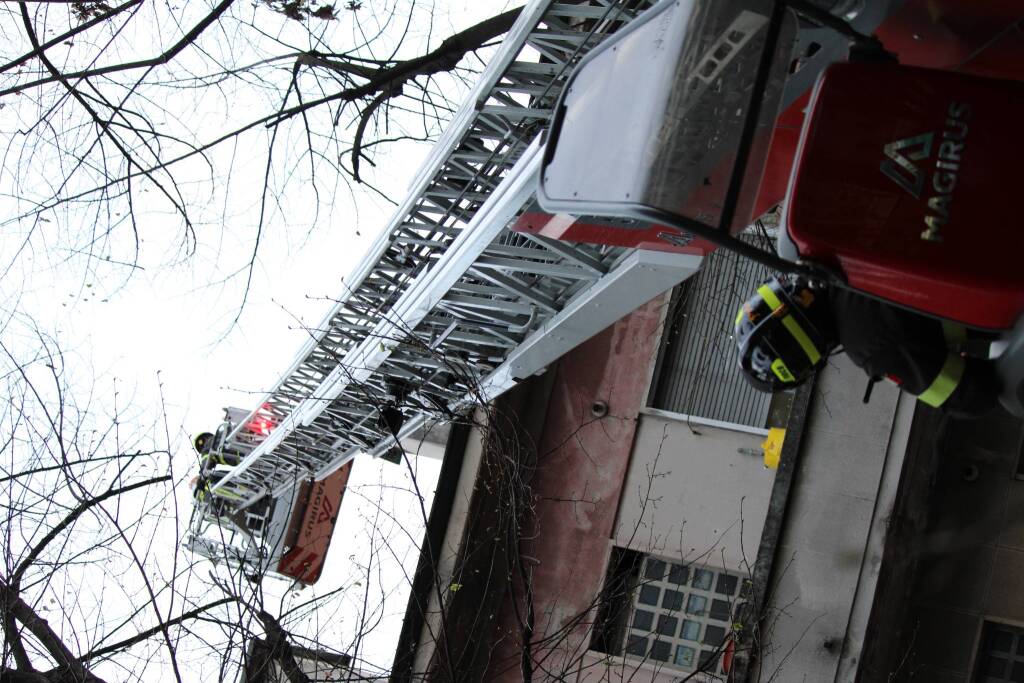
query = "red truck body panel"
x=909 y=191
x=971 y=275
x=304 y=561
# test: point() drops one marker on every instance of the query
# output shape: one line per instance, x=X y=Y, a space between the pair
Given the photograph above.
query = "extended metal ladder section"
x=450 y=306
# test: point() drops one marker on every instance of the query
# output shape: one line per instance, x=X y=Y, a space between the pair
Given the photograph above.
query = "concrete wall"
x=690 y=491
x=971 y=552
x=581 y=468
x=427 y=443
x=831 y=512
x=599 y=668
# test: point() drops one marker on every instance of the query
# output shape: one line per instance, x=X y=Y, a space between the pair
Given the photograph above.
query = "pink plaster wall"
x=581 y=469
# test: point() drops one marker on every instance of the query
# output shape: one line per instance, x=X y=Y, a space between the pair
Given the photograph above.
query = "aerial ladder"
x=475 y=285
x=449 y=308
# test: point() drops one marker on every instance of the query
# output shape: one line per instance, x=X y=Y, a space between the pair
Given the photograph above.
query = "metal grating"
x=698 y=375
x=484 y=296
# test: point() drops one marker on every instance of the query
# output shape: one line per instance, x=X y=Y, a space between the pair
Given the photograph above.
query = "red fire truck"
x=887 y=131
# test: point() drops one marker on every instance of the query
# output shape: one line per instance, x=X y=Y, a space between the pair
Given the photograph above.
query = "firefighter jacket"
x=922 y=355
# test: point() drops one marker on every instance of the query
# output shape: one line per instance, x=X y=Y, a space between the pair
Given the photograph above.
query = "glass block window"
x=1001 y=654
x=682 y=615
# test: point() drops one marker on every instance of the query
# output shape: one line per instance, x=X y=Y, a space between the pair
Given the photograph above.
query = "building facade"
x=613 y=519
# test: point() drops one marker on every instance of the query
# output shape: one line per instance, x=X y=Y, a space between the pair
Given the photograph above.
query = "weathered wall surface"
x=598 y=668
x=577 y=484
x=830 y=514
x=690 y=492
x=970 y=554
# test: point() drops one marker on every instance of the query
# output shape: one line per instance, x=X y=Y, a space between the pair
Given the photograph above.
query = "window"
x=1001 y=654
x=670 y=613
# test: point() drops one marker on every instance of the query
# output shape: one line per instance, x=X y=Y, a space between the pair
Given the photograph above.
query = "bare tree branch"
x=40 y=628
x=163 y=58
x=122 y=645
x=81 y=28
x=70 y=519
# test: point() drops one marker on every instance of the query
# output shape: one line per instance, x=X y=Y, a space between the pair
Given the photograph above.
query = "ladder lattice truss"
x=450 y=303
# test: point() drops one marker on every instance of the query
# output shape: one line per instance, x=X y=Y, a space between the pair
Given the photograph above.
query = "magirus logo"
x=902 y=166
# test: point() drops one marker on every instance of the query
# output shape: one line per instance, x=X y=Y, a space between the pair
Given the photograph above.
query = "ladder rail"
x=476 y=303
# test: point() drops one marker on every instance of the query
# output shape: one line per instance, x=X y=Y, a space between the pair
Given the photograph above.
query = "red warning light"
x=261 y=423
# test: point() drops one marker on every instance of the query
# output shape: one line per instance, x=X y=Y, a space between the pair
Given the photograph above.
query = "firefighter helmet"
x=203 y=443
x=782 y=334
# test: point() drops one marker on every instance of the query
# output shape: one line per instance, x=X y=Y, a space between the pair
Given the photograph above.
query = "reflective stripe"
x=781 y=371
x=769 y=297
x=943 y=386
x=956 y=335
x=790 y=323
x=805 y=342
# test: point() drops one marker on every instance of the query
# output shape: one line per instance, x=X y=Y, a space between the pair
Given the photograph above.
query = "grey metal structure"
x=698 y=375
x=253 y=539
x=451 y=306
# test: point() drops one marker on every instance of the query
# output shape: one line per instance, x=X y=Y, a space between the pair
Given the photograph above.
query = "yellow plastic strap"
x=943 y=386
x=772 y=447
x=790 y=323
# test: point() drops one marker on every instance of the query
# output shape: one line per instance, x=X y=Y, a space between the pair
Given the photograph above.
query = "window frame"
x=628 y=626
x=984 y=652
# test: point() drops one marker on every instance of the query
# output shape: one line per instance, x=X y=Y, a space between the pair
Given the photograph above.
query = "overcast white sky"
x=173 y=317
x=167 y=330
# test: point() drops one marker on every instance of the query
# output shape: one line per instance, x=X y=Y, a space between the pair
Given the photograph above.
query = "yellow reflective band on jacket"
x=791 y=325
x=943 y=386
x=956 y=335
x=230 y=495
